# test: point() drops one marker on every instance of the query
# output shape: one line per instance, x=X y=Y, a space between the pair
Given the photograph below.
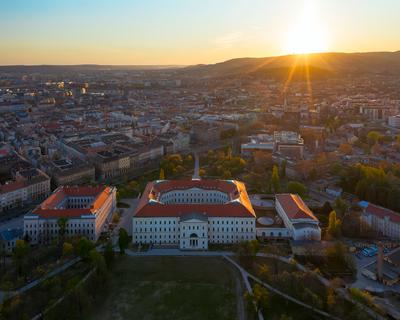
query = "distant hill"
x=318 y=65
x=82 y=68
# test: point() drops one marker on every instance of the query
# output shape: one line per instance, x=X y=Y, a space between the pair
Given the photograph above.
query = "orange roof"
x=294 y=206
x=47 y=209
x=235 y=189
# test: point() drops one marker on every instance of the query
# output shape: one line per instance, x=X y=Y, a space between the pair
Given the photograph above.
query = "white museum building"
x=191 y=214
x=85 y=210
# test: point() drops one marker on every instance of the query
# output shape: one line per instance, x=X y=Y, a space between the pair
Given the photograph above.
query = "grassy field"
x=170 y=288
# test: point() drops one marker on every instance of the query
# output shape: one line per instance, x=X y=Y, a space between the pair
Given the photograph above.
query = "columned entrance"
x=194 y=241
x=193 y=228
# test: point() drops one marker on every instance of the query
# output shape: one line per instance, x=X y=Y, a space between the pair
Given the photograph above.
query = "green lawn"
x=170 y=288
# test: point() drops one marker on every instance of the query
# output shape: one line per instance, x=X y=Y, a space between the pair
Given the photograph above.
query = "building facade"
x=85 y=211
x=383 y=221
x=297 y=217
x=192 y=214
x=27 y=186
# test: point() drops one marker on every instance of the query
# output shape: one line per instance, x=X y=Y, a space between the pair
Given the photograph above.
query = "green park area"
x=169 y=288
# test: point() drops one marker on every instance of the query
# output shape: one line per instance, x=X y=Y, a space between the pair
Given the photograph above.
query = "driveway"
x=127 y=214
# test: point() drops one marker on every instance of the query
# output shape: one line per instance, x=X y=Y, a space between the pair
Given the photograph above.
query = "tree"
x=285 y=317
x=97 y=261
x=283 y=169
x=275 y=179
x=264 y=272
x=109 y=254
x=263 y=159
x=68 y=249
x=346 y=148
x=83 y=247
x=20 y=252
x=331 y=300
x=334 y=224
x=336 y=256
x=340 y=206
x=297 y=188
x=227 y=175
x=123 y=240
x=373 y=137
x=3 y=252
x=326 y=208
x=247 y=251
x=116 y=217
x=62 y=225
x=259 y=298
x=162 y=174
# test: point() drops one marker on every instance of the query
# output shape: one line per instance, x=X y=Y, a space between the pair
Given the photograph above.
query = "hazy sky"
x=189 y=31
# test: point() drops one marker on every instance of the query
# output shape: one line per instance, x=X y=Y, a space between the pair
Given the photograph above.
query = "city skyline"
x=190 y=32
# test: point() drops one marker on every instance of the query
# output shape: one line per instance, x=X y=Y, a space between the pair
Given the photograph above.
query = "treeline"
x=223 y=164
x=379 y=185
x=175 y=164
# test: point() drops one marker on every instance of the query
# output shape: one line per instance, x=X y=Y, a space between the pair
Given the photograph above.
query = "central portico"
x=194 y=231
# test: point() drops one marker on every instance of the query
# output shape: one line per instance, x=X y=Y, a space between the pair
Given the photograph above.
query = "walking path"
x=247 y=275
x=65 y=266
x=227 y=255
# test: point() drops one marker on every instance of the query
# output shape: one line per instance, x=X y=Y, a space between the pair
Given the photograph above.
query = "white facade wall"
x=13 y=198
x=384 y=225
x=313 y=232
x=273 y=233
x=156 y=230
x=45 y=230
x=40 y=230
x=24 y=194
x=169 y=230
x=193 y=235
x=193 y=196
x=394 y=121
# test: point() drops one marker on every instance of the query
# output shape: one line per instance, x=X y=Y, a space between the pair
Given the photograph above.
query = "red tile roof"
x=294 y=206
x=12 y=186
x=383 y=212
x=47 y=208
x=235 y=189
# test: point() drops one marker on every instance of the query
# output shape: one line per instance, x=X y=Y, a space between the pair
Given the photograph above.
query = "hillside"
x=322 y=64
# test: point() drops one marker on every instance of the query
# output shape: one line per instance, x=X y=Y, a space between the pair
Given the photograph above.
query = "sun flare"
x=307 y=35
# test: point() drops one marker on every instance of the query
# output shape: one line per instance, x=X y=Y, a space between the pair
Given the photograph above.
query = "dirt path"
x=240 y=304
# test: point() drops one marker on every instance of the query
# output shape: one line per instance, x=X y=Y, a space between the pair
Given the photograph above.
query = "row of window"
x=55 y=225
x=51 y=231
x=222 y=229
x=144 y=222
x=174 y=240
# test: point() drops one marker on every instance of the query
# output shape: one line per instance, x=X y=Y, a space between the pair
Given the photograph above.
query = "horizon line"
x=165 y=66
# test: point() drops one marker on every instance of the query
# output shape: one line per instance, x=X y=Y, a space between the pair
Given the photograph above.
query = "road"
x=363 y=282
x=126 y=218
x=322 y=197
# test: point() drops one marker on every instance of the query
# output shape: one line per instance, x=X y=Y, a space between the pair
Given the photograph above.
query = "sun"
x=307 y=35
